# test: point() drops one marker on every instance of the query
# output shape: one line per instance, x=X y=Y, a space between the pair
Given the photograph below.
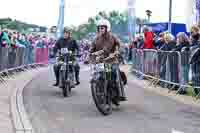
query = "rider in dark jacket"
x=71 y=44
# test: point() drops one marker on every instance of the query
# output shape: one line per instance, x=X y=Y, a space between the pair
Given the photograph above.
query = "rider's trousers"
x=57 y=67
x=116 y=76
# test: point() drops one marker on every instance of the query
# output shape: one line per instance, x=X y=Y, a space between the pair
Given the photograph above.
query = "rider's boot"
x=121 y=92
x=57 y=82
x=56 y=72
x=115 y=101
x=77 y=82
x=122 y=96
x=77 y=77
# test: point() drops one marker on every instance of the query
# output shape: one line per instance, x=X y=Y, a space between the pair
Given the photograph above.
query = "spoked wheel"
x=60 y=84
x=102 y=101
x=71 y=78
x=66 y=89
x=114 y=93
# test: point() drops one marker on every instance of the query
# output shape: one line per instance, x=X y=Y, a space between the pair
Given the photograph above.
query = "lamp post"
x=148 y=12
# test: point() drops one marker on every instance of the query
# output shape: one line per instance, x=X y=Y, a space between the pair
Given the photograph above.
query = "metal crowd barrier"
x=16 y=57
x=41 y=55
x=168 y=69
x=150 y=61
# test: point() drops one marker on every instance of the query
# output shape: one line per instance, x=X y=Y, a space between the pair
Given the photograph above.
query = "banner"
x=131 y=18
x=60 y=25
x=197 y=10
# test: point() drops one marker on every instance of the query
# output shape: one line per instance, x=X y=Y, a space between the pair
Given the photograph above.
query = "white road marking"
x=176 y=131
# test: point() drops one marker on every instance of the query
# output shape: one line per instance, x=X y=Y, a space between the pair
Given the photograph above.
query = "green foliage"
x=119 y=24
x=18 y=25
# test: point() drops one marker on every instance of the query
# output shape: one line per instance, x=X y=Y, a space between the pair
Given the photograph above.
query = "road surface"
x=144 y=112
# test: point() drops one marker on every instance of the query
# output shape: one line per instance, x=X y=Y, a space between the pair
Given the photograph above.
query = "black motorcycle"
x=104 y=88
x=67 y=72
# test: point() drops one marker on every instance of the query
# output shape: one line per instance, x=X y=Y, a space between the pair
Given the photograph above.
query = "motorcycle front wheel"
x=66 y=89
x=102 y=101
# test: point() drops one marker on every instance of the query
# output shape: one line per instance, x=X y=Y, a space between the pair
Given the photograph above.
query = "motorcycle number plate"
x=100 y=67
x=63 y=68
x=64 y=50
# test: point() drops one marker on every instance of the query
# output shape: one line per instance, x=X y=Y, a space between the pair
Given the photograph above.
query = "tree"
x=18 y=25
x=119 y=24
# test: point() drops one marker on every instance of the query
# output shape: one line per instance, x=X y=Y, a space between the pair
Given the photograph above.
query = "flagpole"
x=60 y=24
x=131 y=18
x=170 y=17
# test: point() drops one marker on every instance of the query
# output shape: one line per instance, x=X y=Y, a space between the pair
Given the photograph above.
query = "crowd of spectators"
x=166 y=41
x=163 y=41
x=16 y=39
x=183 y=43
x=18 y=49
x=84 y=46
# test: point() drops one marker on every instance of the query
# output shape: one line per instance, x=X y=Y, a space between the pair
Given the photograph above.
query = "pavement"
x=5 y=114
x=10 y=119
x=146 y=84
x=145 y=111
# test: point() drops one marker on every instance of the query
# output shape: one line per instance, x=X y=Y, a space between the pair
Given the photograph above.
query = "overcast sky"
x=45 y=12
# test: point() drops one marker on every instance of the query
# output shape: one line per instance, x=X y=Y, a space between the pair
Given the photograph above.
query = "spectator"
x=182 y=41
x=182 y=45
x=14 y=40
x=148 y=39
x=194 y=59
x=168 y=45
x=131 y=46
x=122 y=54
x=4 y=39
x=159 y=41
x=139 y=41
x=195 y=37
x=169 y=42
x=20 y=41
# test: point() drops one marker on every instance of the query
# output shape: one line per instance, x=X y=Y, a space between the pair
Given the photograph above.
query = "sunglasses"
x=101 y=28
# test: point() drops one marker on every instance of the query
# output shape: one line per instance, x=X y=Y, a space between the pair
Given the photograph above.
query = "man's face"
x=102 y=30
x=66 y=35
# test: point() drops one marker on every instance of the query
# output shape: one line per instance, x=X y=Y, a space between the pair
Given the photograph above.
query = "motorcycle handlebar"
x=97 y=53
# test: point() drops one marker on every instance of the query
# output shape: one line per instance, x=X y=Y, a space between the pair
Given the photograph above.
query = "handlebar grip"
x=98 y=52
x=110 y=57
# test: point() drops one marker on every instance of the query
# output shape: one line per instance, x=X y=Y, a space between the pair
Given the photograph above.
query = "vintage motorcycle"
x=104 y=88
x=67 y=72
